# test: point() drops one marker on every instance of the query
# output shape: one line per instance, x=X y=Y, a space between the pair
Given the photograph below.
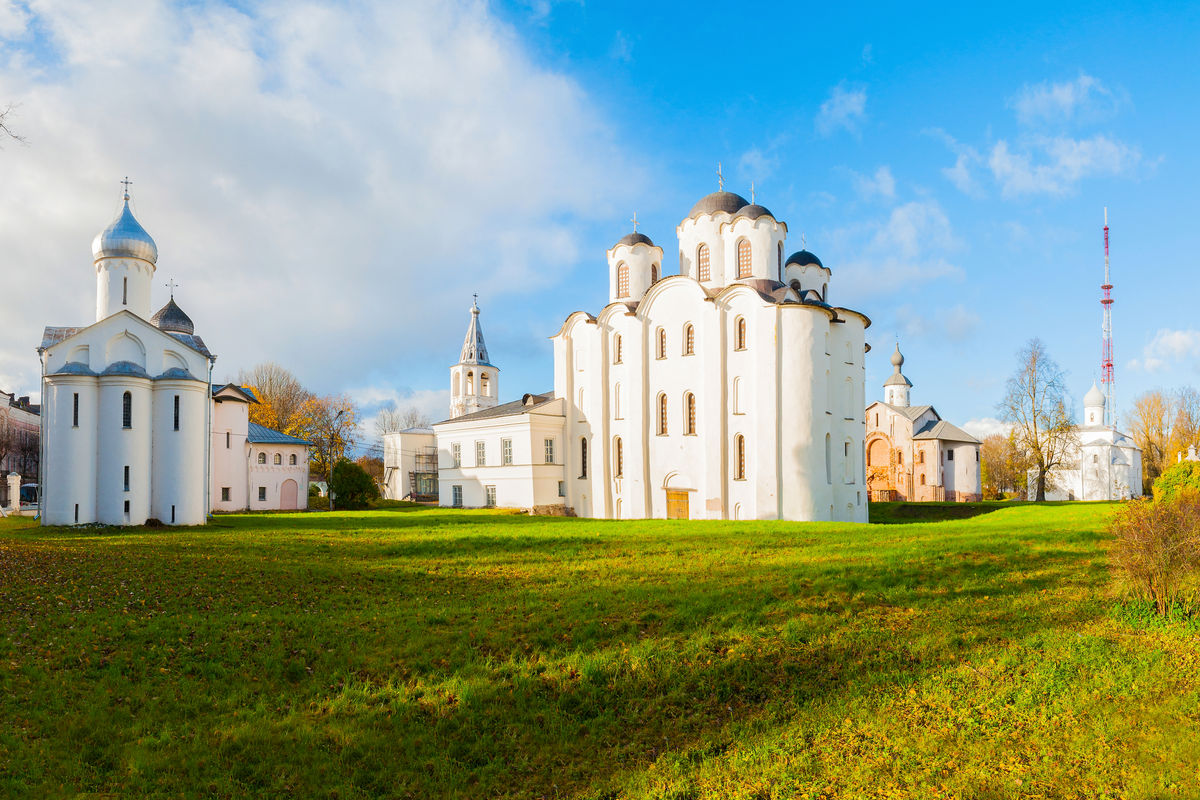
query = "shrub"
x=1157 y=550
x=1178 y=477
x=352 y=486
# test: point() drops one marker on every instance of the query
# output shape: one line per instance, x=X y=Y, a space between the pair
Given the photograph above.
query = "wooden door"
x=677 y=504
x=288 y=495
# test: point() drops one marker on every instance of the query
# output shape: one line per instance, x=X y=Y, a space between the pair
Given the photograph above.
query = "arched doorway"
x=288 y=494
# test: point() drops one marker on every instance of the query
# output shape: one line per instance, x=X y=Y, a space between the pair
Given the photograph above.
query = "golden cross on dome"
x=634 y=221
x=720 y=178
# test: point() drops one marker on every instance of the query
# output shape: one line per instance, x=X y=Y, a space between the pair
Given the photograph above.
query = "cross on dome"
x=751 y=192
x=171 y=284
x=634 y=221
x=126 y=183
x=720 y=178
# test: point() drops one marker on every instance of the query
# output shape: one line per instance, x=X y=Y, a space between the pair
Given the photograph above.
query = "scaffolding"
x=423 y=480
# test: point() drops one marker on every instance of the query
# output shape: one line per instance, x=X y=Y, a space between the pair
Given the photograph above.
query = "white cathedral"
x=1105 y=464
x=128 y=407
x=733 y=390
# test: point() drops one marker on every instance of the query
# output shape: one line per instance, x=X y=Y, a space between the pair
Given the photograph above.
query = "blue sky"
x=334 y=207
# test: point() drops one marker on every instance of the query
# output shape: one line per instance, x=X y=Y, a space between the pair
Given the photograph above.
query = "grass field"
x=431 y=653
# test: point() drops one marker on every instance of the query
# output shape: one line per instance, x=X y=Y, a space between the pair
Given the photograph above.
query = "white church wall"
x=121 y=448
x=765 y=236
x=70 y=450
x=705 y=230
x=178 y=455
x=123 y=284
x=267 y=482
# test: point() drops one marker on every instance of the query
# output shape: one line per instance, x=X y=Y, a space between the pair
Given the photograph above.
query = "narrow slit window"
x=127 y=477
x=743 y=257
x=739 y=468
x=690 y=421
x=583 y=457
x=124 y=291
x=127 y=410
x=618 y=458
x=689 y=340
x=75 y=410
x=176 y=412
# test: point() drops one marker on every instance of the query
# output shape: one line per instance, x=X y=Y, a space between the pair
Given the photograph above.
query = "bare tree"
x=331 y=425
x=393 y=419
x=1035 y=402
x=6 y=131
x=281 y=397
x=1149 y=422
x=1185 y=421
x=1003 y=466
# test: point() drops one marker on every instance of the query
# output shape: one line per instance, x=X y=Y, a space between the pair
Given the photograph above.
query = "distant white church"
x=128 y=408
x=733 y=390
x=1107 y=463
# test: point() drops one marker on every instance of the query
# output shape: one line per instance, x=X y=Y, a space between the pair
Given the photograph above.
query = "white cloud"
x=911 y=246
x=868 y=56
x=984 y=427
x=756 y=164
x=1057 y=165
x=1169 y=347
x=1056 y=103
x=329 y=208
x=845 y=109
x=621 y=48
x=881 y=184
x=14 y=19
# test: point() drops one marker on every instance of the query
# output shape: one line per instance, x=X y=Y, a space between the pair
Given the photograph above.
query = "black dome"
x=634 y=238
x=754 y=212
x=171 y=318
x=803 y=258
x=728 y=202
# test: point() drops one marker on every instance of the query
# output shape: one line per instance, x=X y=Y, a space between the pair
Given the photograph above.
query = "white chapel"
x=1105 y=463
x=733 y=390
x=128 y=406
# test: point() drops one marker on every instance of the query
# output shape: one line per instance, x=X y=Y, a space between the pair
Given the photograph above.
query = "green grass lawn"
x=430 y=653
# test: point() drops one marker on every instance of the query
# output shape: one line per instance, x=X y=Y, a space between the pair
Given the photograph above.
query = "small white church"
x=733 y=390
x=1105 y=463
x=130 y=420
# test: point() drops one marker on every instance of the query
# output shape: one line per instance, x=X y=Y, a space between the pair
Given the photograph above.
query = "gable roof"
x=56 y=335
x=946 y=432
x=528 y=403
x=247 y=394
x=912 y=412
x=260 y=434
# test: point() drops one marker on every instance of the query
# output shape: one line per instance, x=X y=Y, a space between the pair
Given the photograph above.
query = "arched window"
x=292 y=459
x=278 y=460
x=737 y=395
x=921 y=457
x=661 y=337
x=622 y=280
x=739 y=333
x=583 y=456
x=689 y=411
x=262 y=458
x=922 y=479
x=470 y=383
x=483 y=384
x=900 y=457
x=617 y=401
x=743 y=256
x=616 y=348
x=653 y=274
x=824 y=287
x=795 y=284
x=702 y=262
x=618 y=458
x=127 y=410
x=689 y=340
x=662 y=415
x=739 y=455
x=779 y=258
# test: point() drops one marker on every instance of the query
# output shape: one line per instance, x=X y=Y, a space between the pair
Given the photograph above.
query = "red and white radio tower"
x=1106 y=347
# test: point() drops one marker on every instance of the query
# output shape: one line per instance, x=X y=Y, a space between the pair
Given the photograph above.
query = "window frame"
x=549 y=449
x=622 y=279
x=127 y=411
x=663 y=428
x=739 y=457
x=481 y=452
x=746 y=269
x=703 y=262
x=740 y=334
x=689 y=339
x=506 y=452
x=689 y=413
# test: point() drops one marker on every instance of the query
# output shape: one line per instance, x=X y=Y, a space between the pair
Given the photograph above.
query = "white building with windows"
x=733 y=390
x=128 y=406
x=254 y=468
x=1107 y=464
x=915 y=455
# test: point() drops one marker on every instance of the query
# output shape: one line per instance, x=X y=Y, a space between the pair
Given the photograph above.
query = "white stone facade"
x=253 y=468
x=1107 y=464
x=410 y=465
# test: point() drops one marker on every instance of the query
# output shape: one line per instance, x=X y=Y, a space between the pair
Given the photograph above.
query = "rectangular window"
x=262 y=493
x=549 y=451
x=172 y=515
x=176 y=412
x=225 y=494
x=456 y=496
x=562 y=488
x=949 y=455
x=75 y=410
x=226 y=440
x=456 y=454
x=125 y=298
x=126 y=506
x=480 y=454
x=77 y=512
x=490 y=494
x=127 y=477
x=506 y=452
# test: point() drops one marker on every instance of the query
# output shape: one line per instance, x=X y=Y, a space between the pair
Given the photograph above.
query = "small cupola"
x=170 y=318
x=895 y=388
x=804 y=272
x=634 y=265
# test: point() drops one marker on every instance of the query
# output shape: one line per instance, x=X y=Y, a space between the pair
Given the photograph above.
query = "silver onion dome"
x=125 y=238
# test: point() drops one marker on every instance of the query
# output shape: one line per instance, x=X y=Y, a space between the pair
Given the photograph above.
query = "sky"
x=329 y=184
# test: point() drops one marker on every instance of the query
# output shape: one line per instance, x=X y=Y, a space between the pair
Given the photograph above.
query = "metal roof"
x=716 y=202
x=125 y=237
x=753 y=211
x=803 y=258
x=474 y=351
x=634 y=238
x=945 y=431
x=75 y=368
x=260 y=434
x=171 y=318
x=526 y=404
x=126 y=368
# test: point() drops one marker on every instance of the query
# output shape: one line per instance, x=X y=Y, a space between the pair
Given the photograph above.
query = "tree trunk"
x=1041 y=486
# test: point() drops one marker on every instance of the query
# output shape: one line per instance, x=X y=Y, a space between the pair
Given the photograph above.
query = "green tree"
x=1176 y=479
x=352 y=485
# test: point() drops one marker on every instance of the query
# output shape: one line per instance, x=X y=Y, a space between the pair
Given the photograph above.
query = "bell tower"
x=895 y=388
x=474 y=381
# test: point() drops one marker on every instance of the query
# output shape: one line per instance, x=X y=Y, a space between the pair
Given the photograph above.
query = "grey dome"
x=171 y=318
x=754 y=212
x=634 y=238
x=897 y=358
x=1094 y=397
x=176 y=374
x=728 y=202
x=125 y=368
x=803 y=258
x=125 y=238
x=75 y=368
